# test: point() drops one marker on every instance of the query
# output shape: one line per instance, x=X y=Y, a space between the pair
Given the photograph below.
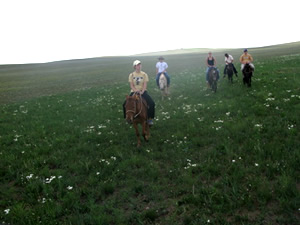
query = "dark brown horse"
x=136 y=113
x=230 y=72
x=247 y=72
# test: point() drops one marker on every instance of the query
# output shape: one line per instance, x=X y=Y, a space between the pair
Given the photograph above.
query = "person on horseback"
x=138 y=83
x=161 y=67
x=246 y=58
x=211 y=62
x=229 y=59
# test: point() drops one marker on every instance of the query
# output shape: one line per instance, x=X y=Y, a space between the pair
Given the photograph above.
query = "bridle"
x=134 y=111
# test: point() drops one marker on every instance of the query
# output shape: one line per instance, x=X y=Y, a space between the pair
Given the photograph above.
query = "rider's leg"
x=225 y=70
x=206 y=73
x=206 y=77
x=168 y=78
x=234 y=69
x=242 y=67
x=218 y=73
x=157 y=78
x=151 y=105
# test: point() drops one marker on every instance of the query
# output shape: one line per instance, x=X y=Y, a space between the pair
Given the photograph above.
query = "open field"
x=68 y=157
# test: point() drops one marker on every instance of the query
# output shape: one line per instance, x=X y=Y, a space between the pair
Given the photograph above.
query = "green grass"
x=68 y=157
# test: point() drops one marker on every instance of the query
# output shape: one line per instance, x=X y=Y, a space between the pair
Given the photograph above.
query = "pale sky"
x=33 y=31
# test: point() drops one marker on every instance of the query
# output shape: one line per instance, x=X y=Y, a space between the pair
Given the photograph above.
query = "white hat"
x=136 y=62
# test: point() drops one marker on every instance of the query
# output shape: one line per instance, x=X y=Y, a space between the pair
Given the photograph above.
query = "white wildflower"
x=219 y=121
x=29 y=177
x=270 y=99
x=48 y=180
x=6 y=211
x=69 y=187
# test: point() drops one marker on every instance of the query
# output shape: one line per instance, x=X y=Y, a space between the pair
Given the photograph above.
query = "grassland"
x=68 y=157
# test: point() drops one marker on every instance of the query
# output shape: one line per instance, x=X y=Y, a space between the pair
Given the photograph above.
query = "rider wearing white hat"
x=138 y=83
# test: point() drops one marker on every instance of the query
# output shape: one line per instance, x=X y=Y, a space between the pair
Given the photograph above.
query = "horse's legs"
x=146 y=131
x=137 y=134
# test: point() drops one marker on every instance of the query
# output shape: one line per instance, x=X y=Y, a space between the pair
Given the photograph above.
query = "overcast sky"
x=52 y=30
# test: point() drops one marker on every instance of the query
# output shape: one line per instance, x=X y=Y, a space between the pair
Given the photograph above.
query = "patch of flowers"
x=107 y=162
x=189 y=164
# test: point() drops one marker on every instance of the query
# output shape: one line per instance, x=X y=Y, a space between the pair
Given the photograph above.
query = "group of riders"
x=138 y=79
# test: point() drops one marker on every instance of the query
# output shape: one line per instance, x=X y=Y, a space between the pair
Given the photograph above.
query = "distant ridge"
x=205 y=50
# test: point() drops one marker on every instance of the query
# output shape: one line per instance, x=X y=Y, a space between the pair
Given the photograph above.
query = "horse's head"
x=162 y=81
x=247 y=69
x=213 y=73
x=130 y=107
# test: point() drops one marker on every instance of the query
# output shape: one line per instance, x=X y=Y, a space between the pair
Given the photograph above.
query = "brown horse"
x=136 y=113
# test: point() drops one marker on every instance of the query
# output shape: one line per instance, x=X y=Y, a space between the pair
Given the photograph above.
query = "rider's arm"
x=250 y=59
x=215 y=62
x=144 y=87
x=241 y=59
x=166 y=67
x=133 y=87
x=207 y=62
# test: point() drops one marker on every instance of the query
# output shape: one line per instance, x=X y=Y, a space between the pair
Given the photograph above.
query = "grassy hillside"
x=22 y=82
x=68 y=157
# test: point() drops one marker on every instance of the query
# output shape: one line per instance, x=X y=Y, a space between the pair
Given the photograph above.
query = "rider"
x=138 y=82
x=229 y=59
x=211 y=62
x=246 y=58
x=161 y=67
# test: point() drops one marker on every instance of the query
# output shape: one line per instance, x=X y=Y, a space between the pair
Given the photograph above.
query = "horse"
x=230 y=72
x=163 y=85
x=213 y=78
x=247 y=72
x=136 y=113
